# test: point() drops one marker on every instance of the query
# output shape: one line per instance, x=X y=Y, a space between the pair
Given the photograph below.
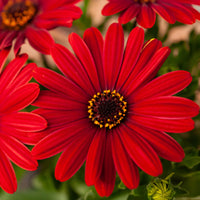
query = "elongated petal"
x=94 y=41
x=57 y=140
x=40 y=39
x=127 y=170
x=22 y=121
x=167 y=125
x=115 y=7
x=20 y=98
x=83 y=53
x=8 y=179
x=106 y=181
x=71 y=67
x=128 y=14
x=73 y=157
x=148 y=71
x=18 y=152
x=3 y=55
x=113 y=54
x=146 y=17
x=131 y=55
x=12 y=70
x=59 y=84
x=176 y=81
x=169 y=107
x=95 y=158
x=164 y=145
x=140 y=151
x=7 y=38
x=19 y=41
x=51 y=100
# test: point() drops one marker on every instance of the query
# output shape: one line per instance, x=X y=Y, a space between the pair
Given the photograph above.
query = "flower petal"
x=83 y=53
x=147 y=17
x=163 y=144
x=176 y=81
x=140 y=151
x=73 y=157
x=95 y=157
x=3 y=55
x=8 y=180
x=18 y=152
x=106 y=182
x=94 y=41
x=20 y=98
x=23 y=121
x=127 y=170
x=71 y=68
x=113 y=54
x=39 y=39
x=56 y=141
x=168 y=107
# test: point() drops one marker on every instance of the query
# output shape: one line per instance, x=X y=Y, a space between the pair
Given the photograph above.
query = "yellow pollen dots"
x=17 y=14
x=107 y=109
x=144 y=1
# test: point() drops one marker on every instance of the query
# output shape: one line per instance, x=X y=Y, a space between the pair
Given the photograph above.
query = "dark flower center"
x=107 y=109
x=144 y=1
x=17 y=14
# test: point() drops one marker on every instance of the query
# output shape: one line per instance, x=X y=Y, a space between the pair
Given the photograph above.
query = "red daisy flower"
x=145 y=11
x=15 y=94
x=20 y=19
x=109 y=109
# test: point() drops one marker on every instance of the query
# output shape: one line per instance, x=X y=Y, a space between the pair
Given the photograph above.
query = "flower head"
x=109 y=110
x=15 y=94
x=20 y=19
x=145 y=11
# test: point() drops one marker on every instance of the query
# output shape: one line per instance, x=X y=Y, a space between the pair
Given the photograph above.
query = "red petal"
x=168 y=107
x=73 y=157
x=7 y=38
x=130 y=13
x=167 y=125
x=147 y=17
x=94 y=41
x=11 y=71
x=115 y=7
x=59 y=84
x=163 y=144
x=127 y=170
x=8 y=181
x=140 y=151
x=20 y=98
x=113 y=54
x=3 y=55
x=39 y=39
x=148 y=72
x=22 y=121
x=83 y=53
x=18 y=152
x=106 y=182
x=94 y=162
x=56 y=141
x=71 y=68
x=176 y=81
x=131 y=55
x=19 y=41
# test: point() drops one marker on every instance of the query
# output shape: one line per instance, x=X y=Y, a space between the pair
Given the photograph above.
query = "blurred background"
x=184 y=41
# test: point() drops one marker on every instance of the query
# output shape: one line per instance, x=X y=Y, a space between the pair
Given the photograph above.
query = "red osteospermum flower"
x=15 y=94
x=145 y=11
x=20 y=19
x=109 y=109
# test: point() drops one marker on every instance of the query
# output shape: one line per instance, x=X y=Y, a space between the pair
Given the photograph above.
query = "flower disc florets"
x=17 y=14
x=107 y=109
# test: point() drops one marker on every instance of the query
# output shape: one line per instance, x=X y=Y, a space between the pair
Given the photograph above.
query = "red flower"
x=145 y=11
x=15 y=94
x=109 y=109
x=20 y=19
